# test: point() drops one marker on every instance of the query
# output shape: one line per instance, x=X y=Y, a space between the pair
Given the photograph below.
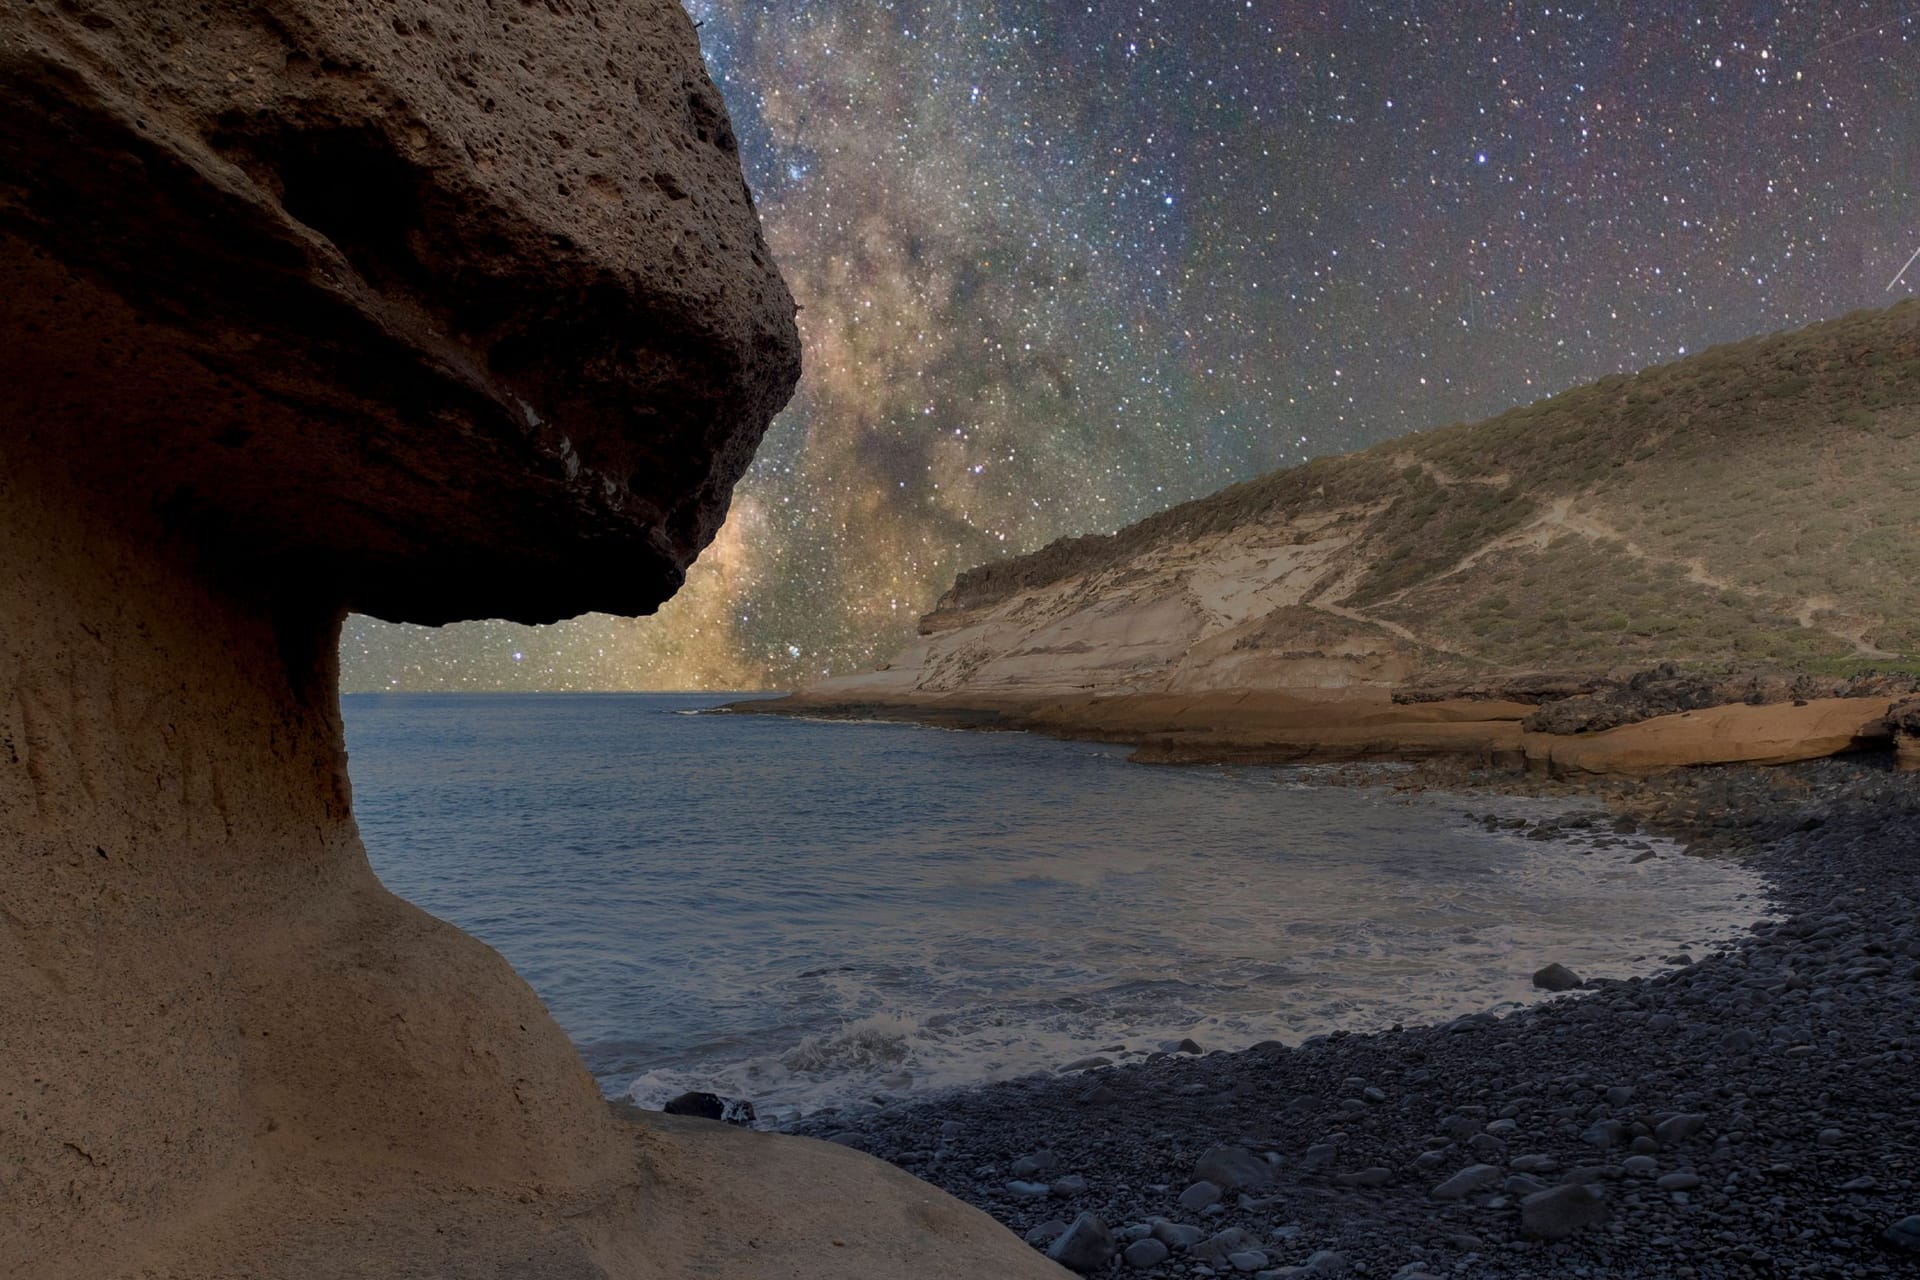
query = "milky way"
x=1063 y=265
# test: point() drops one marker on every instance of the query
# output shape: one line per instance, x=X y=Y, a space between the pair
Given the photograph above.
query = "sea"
x=810 y=913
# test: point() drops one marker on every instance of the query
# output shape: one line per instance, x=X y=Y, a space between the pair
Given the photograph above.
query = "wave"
x=876 y=1041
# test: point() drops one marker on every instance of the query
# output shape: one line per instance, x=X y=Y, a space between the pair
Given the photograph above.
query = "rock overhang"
x=424 y=333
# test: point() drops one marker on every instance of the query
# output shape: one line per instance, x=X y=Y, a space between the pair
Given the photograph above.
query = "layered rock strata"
x=433 y=310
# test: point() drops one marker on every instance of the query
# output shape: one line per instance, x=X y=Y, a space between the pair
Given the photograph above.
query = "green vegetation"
x=1432 y=527
x=1752 y=504
x=1520 y=607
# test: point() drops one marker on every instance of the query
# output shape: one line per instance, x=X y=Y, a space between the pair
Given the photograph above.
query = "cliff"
x=434 y=311
x=1739 y=514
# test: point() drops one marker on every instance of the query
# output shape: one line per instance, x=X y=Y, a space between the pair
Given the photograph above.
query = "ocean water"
x=807 y=913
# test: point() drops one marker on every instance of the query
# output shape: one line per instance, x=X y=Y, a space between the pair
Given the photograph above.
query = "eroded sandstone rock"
x=449 y=308
x=1740 y=734
x=435 y=309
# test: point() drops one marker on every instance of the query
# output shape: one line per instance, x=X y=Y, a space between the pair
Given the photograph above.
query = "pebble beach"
x=1754 y=1111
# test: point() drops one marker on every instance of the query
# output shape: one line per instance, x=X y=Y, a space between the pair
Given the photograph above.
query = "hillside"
x=1749 y=505
x=1745 y=514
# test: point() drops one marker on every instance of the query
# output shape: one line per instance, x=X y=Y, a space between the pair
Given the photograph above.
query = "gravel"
x=1754 y=1112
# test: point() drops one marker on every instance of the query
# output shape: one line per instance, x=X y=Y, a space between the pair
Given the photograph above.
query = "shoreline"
x=1476 y=728
x=1408 y=1152
x=1558 y=832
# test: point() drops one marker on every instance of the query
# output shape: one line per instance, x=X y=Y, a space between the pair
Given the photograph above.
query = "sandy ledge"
x=1748 y=1113
x=1252 y=726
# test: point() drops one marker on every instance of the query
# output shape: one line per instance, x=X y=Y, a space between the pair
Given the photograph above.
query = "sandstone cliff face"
x=435 y=310
x=1252 y=607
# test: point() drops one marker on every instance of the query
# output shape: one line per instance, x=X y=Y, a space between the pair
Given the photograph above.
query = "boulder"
x=1084 y=1246
x=1903 y=719
x=432 y=311
x=1470 y=1181
x=1145 y=1255
x=1217 y=1247
x=1556 y=977
x=1199 y=1196
x=456 y=316
x=1177 y=1235
x=1558 y=1212
x=1036 y=1162
x=711 y=1106
x=1233 y=1169
x=1677 y=1128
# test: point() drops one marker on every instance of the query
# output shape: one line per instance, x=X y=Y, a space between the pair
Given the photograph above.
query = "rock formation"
x=437 y=309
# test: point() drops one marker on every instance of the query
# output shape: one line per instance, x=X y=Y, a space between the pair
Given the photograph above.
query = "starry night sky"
x=1065 y=264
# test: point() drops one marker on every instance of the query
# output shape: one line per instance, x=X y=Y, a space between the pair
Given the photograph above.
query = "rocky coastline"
x=1744 y=1113
x=1630 y=724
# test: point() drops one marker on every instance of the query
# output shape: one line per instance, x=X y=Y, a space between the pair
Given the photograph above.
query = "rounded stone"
x=1556 y=977
x=1233 y=1169
x=1471 y=1180
x=1177 y=1235
x=1084 y=1246
x=1199 y=1196
x=1559 y=1212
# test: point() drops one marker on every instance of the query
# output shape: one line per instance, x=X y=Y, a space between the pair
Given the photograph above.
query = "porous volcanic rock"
x=1903 y=719
x=437 y=309
x=1665 y=689
x=447 y=309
